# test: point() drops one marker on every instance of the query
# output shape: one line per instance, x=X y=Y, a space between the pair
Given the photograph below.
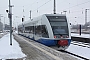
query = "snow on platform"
x=79 y=50
x=10 y=52
x=82 y=35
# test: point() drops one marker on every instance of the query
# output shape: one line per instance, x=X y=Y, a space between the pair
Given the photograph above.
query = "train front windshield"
x=59 y=26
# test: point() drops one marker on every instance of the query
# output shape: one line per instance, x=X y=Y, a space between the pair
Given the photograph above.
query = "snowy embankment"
x=10 y=52
x=79 y=50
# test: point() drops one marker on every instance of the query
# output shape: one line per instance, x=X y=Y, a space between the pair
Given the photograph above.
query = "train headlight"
x=67 y=36
x=61 y=36
x=55 y=37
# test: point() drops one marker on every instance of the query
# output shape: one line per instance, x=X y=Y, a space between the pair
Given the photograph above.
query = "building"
x=1 y=26
x=7 y=27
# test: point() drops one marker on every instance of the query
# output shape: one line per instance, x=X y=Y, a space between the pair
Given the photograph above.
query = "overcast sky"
x=74 y=8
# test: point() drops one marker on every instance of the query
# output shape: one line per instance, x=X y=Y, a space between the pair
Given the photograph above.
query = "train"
x=52 y=30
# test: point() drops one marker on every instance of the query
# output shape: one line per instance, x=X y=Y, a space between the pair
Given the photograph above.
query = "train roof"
x=54 y=14
x=31 y=20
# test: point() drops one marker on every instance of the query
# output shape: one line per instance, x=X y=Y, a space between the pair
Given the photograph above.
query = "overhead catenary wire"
x=41 y=5
x=81 y=11
x=37 y=5
x=76 y=5
x=33 y=3
x=29 y=5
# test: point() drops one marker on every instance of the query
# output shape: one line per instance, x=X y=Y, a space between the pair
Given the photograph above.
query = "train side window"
x=27 y=29
x=20 y=29
x=44 y=31
x=31 y=29
x=38 y=30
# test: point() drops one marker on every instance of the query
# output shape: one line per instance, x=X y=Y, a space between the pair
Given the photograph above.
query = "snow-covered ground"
x=13 y=52
x=1 y=33
x=10 y=52
x=82 y=35
x=82 y=51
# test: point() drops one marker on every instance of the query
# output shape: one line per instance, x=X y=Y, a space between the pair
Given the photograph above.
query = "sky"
x=74 y=8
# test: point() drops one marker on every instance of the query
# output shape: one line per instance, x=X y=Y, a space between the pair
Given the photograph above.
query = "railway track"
x=81 y=44
x=74 y=54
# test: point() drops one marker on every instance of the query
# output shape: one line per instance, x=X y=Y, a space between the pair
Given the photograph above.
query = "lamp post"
x=86 y=15
x=86 y=18
x=54 y=11
x=4 y=23
x=76 y=23
x=16 y=17
x=30 y=14
x=0 y=22
x=0 y=17
x=10 y=18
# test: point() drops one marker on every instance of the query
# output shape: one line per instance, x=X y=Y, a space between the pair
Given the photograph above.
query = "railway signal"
x=22 y=19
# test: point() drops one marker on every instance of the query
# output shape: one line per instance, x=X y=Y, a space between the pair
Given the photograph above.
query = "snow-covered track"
x=74 y=54
x=81 y=44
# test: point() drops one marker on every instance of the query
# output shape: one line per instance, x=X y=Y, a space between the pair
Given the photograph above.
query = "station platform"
x=82 y=35
x=81 y=38
x=37 y=51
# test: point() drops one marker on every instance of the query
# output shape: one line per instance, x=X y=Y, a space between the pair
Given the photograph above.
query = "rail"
x=74 y=54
